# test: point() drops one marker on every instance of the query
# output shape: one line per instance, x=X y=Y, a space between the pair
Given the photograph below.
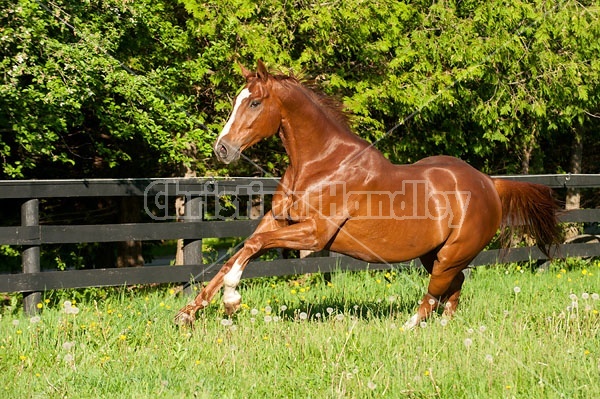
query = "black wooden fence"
x=158 y=196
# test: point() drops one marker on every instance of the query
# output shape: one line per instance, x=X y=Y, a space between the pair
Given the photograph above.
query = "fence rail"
x=158 y=193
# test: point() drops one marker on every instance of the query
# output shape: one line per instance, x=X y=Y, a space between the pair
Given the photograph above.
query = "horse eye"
x=254 y=103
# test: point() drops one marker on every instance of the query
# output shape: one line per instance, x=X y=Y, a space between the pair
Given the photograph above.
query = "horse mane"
x=332 y=106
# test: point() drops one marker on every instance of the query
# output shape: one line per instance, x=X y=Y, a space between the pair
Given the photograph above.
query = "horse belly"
x=383 y=241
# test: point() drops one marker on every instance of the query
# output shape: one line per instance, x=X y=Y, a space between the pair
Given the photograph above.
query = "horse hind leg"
x=445 y=284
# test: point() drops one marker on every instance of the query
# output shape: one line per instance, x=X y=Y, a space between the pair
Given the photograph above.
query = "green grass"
x=342 y=340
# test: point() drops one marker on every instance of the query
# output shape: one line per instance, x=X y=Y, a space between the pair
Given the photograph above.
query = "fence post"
x=192 y=248
x=30 y=216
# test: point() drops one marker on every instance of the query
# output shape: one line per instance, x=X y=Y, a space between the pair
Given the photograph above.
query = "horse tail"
x=529 y=208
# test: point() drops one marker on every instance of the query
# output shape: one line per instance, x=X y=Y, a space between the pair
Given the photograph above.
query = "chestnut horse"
x=340 y=193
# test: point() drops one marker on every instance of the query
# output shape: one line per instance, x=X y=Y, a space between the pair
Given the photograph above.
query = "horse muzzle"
x=226 y=152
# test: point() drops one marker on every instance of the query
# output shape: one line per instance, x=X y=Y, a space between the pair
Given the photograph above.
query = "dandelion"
x=254 y=312
x=282 y=308
x=122 y=337
x=329 y=310
x=431 y=301
x=423 y=324
x=303 y=315
x=68 y=345
x=268 y=309
x=489 y=358
x=226 y=322
x=339 y=317
x=35 y=319
x=585 y=296
x=468 y=342
x=517 y=289
x=443 y=322
x=69 y=358
x=573 y=297
x=470 y=331
x=39 y=305
x=482 y=328
x=268 y=319
x=371 y=385
x=595 y=296
x=318 y=315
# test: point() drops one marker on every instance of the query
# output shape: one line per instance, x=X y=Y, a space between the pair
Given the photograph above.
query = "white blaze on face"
x=244 y=94
x=230 y=283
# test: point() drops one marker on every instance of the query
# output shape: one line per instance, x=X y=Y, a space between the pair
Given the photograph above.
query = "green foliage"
x=107 y=88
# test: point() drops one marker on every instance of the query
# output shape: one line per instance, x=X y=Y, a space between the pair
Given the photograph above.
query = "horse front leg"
x=187 y=314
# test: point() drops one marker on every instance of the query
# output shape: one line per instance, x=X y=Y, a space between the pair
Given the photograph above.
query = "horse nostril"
x=222 y=151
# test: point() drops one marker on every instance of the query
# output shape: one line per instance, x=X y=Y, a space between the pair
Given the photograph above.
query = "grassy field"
x=519 y=333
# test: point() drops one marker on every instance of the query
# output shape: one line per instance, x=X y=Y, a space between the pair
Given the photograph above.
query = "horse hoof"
x=411 y=323
x=184 y=318
x=232 y=307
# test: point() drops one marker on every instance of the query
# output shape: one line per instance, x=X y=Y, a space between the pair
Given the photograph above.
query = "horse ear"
x=245 y=72
x=261 y=71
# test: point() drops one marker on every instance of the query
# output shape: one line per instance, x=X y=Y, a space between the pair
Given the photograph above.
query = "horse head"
x=256 y=115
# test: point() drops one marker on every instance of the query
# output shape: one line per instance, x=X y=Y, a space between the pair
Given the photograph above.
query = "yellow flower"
x=293 y=292
x=559 y=275
x=586 y=352
x=40 y=305
x=584 y=272
x=426 y=372
x=219 y=340
x=198 y=362
x=171 y=291
x=23 y=358
x=47 y=301
x=122 y=337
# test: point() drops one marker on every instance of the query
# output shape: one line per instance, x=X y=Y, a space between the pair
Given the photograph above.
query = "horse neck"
x=310 y=133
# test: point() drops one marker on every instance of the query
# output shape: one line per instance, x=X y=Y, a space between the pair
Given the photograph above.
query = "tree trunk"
x=527 y=150
x=129 y=253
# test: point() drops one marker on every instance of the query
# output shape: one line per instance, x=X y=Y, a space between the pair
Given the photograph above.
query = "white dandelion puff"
x=573 y=297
